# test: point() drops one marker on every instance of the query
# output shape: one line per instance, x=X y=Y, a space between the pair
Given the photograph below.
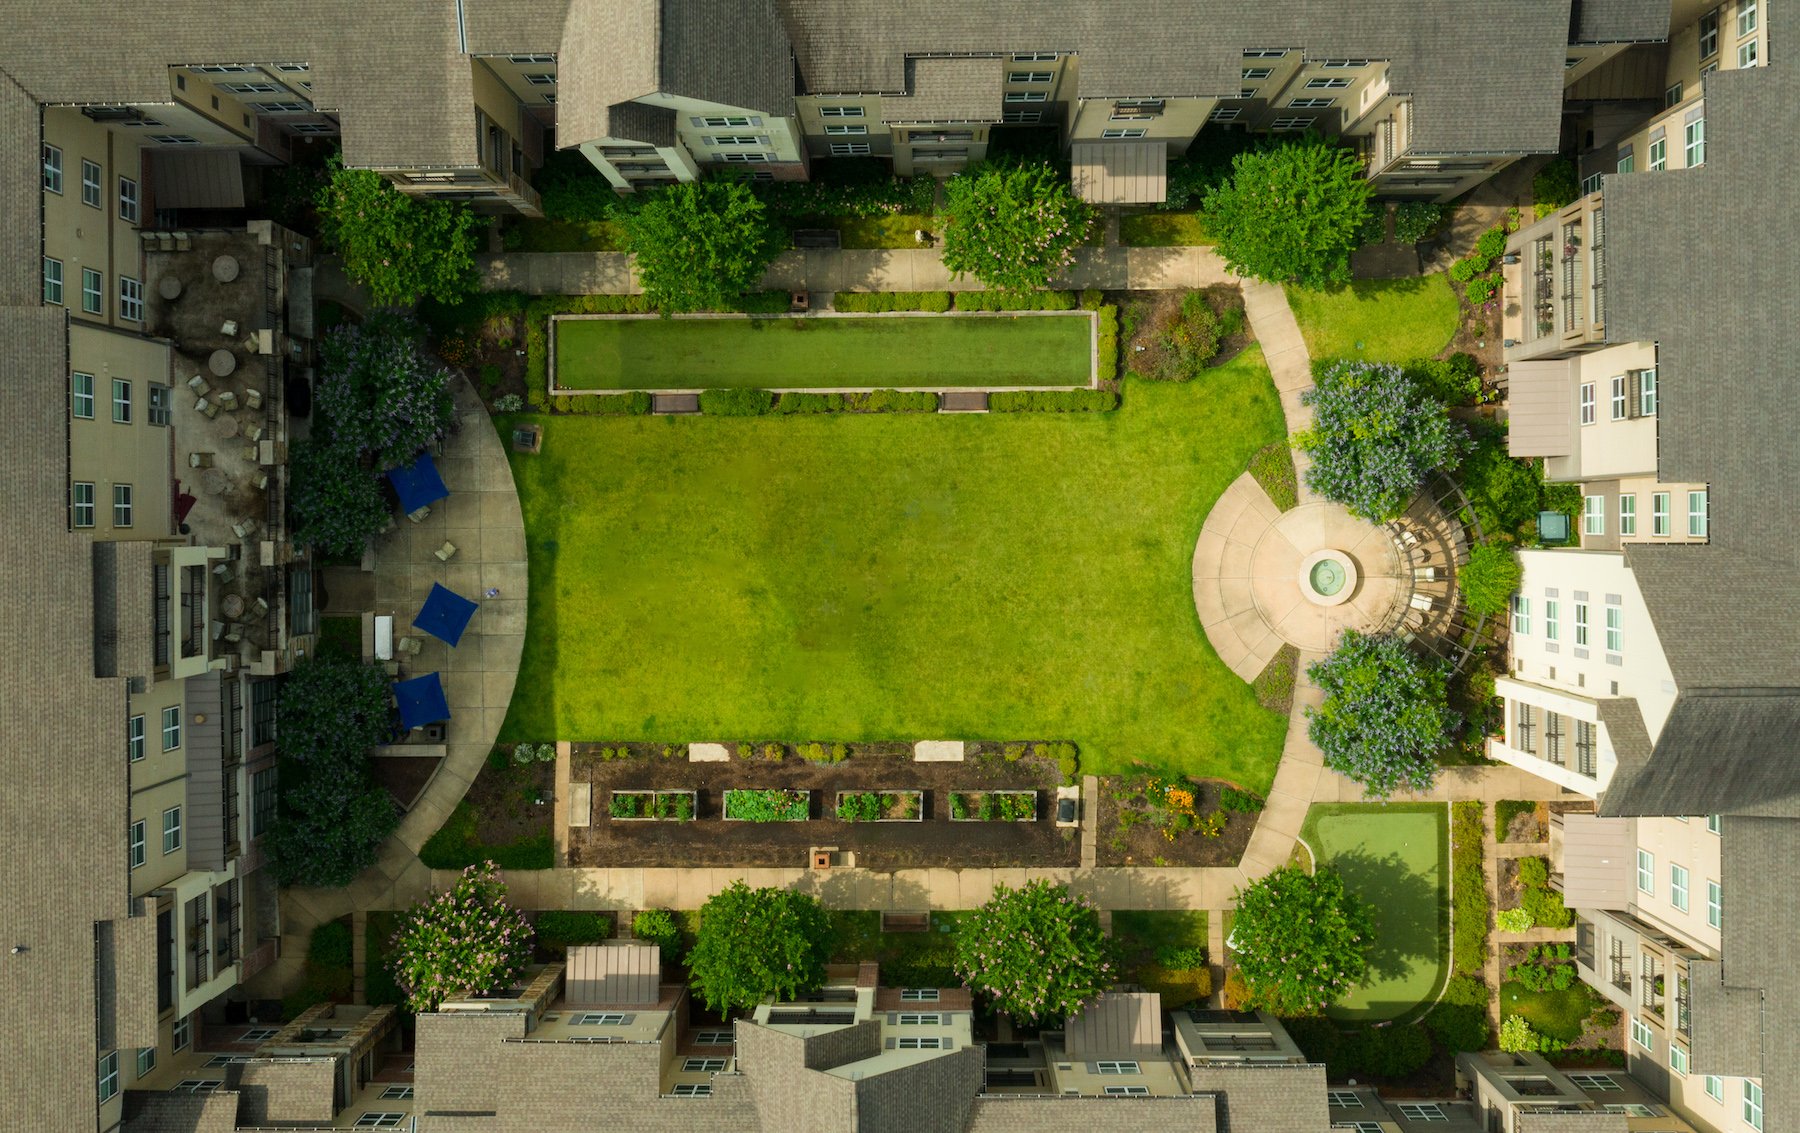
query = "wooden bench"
x=905 y=922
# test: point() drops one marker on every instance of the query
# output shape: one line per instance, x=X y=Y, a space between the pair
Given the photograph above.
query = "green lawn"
x=880 y=352
x=1162 y=230
x=850 y=577
x=890 y=230
x=907 y=959
x=569 y=236
x=1558 y=1014
x=1396 y=857
x=1377 y=320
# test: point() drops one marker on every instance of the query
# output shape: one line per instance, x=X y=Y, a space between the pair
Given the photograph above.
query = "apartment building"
x=1522 y=1093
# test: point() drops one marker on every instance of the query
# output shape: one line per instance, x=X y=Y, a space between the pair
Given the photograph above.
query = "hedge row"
x=937 y=302
x=1053 y=401
x=757 y=402
x=633 y=404
x=1469 y=924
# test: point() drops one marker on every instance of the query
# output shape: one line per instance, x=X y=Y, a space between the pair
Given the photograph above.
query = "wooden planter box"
x=896 y=806
x=797 y=804
x=654 y=804
x=971 y=806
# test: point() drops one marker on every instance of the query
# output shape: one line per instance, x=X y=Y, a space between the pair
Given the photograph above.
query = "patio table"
x=222 y=362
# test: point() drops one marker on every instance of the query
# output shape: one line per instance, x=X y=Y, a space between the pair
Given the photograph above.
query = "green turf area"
x=1558 y=1014
x=568 y=236
x=907 y=959
x=1395 y=856
x=852 y=351
x=890 y=230
x=1162 y=230
x=1377 y=320
x=1139 y=935
x=894 y=576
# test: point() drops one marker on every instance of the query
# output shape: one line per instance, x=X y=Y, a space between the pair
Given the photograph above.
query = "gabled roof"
x=1721 y=751
x=946 y=90
x=1618 y=21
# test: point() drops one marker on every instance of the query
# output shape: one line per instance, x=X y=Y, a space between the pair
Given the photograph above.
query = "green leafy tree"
x=1374 y=438
x=334 y=500
x=700 y=244
x=1385 y=715
x=332 y=704
x=1037 y=951
x=377 y=392
x=755 y=943
x=1292 y=212
x=1012 y=225
x=401 y=249
x=459 y=942
x=1301 y=941
x=1490 y=578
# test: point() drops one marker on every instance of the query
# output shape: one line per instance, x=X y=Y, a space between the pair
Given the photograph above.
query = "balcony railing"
x=1543 y=287
x=1620 y=965
x=1571 y=272
x=1597 y=254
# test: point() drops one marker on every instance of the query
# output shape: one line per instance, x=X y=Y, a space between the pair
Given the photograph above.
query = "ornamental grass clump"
x=462 y=942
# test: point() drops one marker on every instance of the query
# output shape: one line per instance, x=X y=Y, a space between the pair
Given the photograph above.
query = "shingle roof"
x=946 y=90
x=157 y=1112
x=1288 y=1098
x=1174 y=48
x=1721 y=751
x=1618 y=21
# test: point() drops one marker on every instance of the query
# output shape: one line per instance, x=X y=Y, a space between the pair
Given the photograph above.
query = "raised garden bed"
x=768 y=806
x=881 y=806
x=653 y=806
x=993 y=806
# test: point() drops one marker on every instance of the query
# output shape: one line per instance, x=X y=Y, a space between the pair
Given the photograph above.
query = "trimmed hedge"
x=757 y=402
x=877 y=302
x=874 y=302
x=736 y=402
x=1469 y=921
x=1053 y=401
x=558 y=929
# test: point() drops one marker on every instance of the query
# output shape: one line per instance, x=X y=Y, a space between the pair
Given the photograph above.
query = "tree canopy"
x=1385 y=715
x=754 y=943
x=401 y=249
x=1012 y=225
x=1490 y=578
x=378 y=394
x=1301 y=941
x=1374 y=438
x=333 y=500
x=700 y=244
x=462 y=941
x=1291 y=212
x=1038 y=952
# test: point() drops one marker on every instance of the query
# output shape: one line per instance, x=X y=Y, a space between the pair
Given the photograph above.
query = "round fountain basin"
x=1328 y=577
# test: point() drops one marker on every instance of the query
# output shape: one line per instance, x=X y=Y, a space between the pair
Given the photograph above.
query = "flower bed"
x=768 y=806
x=993 y=806
x=881 y=806
x=652 y=806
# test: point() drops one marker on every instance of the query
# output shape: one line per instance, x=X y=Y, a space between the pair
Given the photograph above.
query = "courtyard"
x=895 y=576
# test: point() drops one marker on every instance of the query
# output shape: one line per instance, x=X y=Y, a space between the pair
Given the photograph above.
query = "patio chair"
x=260 y=607
x=199 y=386
x=227 y=401
x=1422 y=602
x=1425 y=574
x=410 y=645
x=253 y=433
x=253 y=398
x=418 y=515
x=200 y=460
x=446 y=552
x=206 y=408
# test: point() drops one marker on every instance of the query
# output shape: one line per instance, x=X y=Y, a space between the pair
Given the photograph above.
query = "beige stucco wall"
x=1608 y=448
x=88 y=236
x=105 y=452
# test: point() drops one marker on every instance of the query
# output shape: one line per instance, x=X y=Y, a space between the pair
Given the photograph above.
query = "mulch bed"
x=404 y=776
x=504 y=798
x=1143 y=843
x=711 y=841
x=1157 y=310
x=1529 y=826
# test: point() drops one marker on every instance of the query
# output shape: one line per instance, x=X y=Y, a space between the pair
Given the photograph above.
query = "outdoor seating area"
x=1433 y=542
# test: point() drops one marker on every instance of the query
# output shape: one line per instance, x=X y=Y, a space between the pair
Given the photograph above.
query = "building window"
x=1253 y=74
x=1615 y=629
x=1715 y=1087
x=122 y=512
x=175 y=139
x=251 y=88
x=1552 y=610
x=264 y=700
x=1628 y=513
x=1642 y=1035
x=394 y=1093
x=1030 y=76
x=128 y=200
x=1696 y=142
x=90 y=183
x=1327 y=84
x=1678 y=1060
x=1627 y=163
x=1659 y=155
x=1125 y=132
x=1343 y=1099
x=1697 y=514
x=1632 y=1109
x=840 y=112
x=932 y=1042
x=1709 y=34
x=919 y=995
x=1225 y=114
x=1593 y=515
x=1587 y=403
x=1585 y=736
x=1647 y=392
x=171 y=727
x=1248 y=92
x=134 y=738
x=1746 y=17
x=161 y=402
x=81 y=395
x=597 y=1019
x=171 y=830
x=121 y=401
x=703 y=1065
x=712 y=1038
x=262 y=801
x=93 y=286
x=131 y=299
x=81 y=501
x=1358 y=1126
x=1715 y=905
x=53 y=280
x=1035 y=57
x=181 y=1033
x=1027 y=96
x=733 y=120
x=1265 y=52
x=1712 y=824
x=109 y=1076
x=1752 y=1104
x=281 y=107
x=849 y=149
x=1521 y=614
x=1344 y=64
x=748 y=157
x=220 y=69
x=328 y=128
x=1659 y=513
x=916 y=1019
x=1021 y=117
x=135 y=848
x=53 y=173
x=1590 y=184
x=1116 y=1068
x=526 y=59
x=1581 y=623
x=1525 y=728
x=541 y=78
x=1291 y=124
x=196 y=1086
x=1595 y=1082
x=1678 y=887
x=1422 y=1111
x=1747 y=54
x=1129 y=108
x=1311 y=103
x=840 y=130
x=691 y=1090
x=379 y=1121
x=1553 y=738
x=763 y=140
x=146 y=1060
x=1646 y=873
x=1620 y=410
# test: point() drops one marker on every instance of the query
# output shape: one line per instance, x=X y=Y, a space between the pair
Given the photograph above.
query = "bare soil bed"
x=404 y=776
x=709 y=840
x=1141 y=842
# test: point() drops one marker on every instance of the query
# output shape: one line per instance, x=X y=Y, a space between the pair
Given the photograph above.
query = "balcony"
x=1650 y=986
x=1619 y=967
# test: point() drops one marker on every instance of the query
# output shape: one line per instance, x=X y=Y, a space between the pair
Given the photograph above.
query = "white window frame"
x=1265 y=52
x=1225 y=114
x=1712 y=824
x=1292 y=123
x=1697 y=513
x=1552 y=619
x=1125 y=132
x=1358 y=1126
x=1746 y=54
x=1344 y=1099
x=1646 y=873
x=1627 y=163
x=146 y=1060
x=122 y=503
x=1715 y=1087
x=196 y=1086
x=171 y=830
x=846 y=130
x=1027 y=96
x=1659 y=155
x=81 y=503
x=752 y=157
x=726 y=121
x=1422 y=1111
x=134 y=738
x=850 y=149
x=53 y=280
x=1030 y=76
x=1257 y=74
x=93 y=291
x=1642 y=1035
x=714 y=1038
x=171 y=727
x=81 y=395
x=1035 y=57
x=1615 y=629
x=131 y=299
x=1022 y=117
x=1715 y=905
x=1678 y=886
x=135 y=844
x=1659 y=513
x=920 y=1019
x=1620 y=407
x=840 y=112
x=121 y=401
x=1585 y=403
x=691 y=1090
x=1709 y=34
x=1118 y=1066
x=1753 y=1104
x=128 y=200
x=540 y=78
x=1521 y=615
x=106 y=1076
x=1125 y=1091
x=53 y=169
x=1627 y=513
x=1601 y=1083
x=1327 y=84
x=396 y=1093
x=919 y=995
x=1678 y=1060
x=378 y=1119
x=1593 y=515
x=919 y=1042
x=598 y=1019
x=1695 y=138
x=181 y=1032
x=91 y=175
x=1581 y=623
x=704 y=1065
x=1647 y=392
x=1311 y=103
x=1746 y=18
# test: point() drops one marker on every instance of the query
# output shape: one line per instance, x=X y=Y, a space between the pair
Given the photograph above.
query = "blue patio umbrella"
x=417 y=484
x=445 y=614
x=421 y=701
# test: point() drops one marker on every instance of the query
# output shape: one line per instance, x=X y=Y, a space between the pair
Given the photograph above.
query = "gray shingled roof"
x=1287 y=1098
x=947 y=90
x=1721 y=751
x=1174 y=48
x=1619 y=21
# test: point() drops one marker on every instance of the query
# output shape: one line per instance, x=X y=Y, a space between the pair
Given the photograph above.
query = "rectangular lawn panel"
x=892 y=576
x=847 y=351
x=1396 y=857
x=1377 y=320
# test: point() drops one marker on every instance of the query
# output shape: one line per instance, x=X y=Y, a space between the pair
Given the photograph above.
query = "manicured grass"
x=1396 y=857
x=1162 y=230
x=570 y=236
x=1139 y=934
x=894 y=230
x=907 y=959
x=895 y=576
x=880 y=352
x=1377 y=320
x=1558 y=1014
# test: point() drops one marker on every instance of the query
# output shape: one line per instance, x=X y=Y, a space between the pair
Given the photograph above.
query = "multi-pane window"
x=1659 y=155
x=1581 y=623
x=918 y=1019
x=396 y=1093
x=81 y=503
x=108 y=1076
x=281 y=107
x=1627 y=162
x=90 y=183
x=1422 y=1111
x=840 y=112
x=1525 y=728
x=1027 y=96
x=146 y=1060
x=1659 y=513
x=53 y=280
x=1715 y=905
x=932 y=1042
x=919 y=995
x=1696 y=142
x=1125 y=132
x=1646 y=873
x=748 y=157
x=850 y=149
x=1746 y=17
x=598 y=1019
x=262 y=801
x=691 y=1090
x=830 y=131
x=81 y=395
x=1642 y=1035
x=171 y=727
x=1327 y=84
x=373 y=1120
x=524 y=59
x=181 y=1033
x=135 y=847
x=1552 y=618
x=1712 y=824
x=1022 y=117
x=1116 y=1068
x=1647 y=392
x=171 y=830
x=1344 y=64
x=1035 y=57
x=1752 y=1104
x=175 y=139
x=1344 y=1099
x=1620 y=409
x=1593 y=515
x=1521 y=614
x=131 y=299
x=1311 y=103
x=1264 y=52
x=134 y=738
x=128 y=200
x=1252 y=74
x=93 y=289
x=1615 y=629
x=1595 y=1082
x=1715 y=1087
x=121 y=401
x=541 y=78
x=712 y=1038
x=1678 y=887
x=1591 y=183
x=1747 y=54
x=1697 y=514
x=1587 y=403
x=703 y=1065
x=196 y=1086
x=733 y=120
x=1298 y=123
x=122 y=505
x=53 y=169
x=251 y=88
x=1628 y=513
x=1226 y=114
x=1030 y=76
x=1709 y=34
x=161 y=403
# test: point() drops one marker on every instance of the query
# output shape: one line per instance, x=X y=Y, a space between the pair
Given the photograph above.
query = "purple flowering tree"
x=1301 y=942
x=1385 y=716
x=754 y=943
x=1012 y=226
x=1375 y=436
x=460 y=942
x=1037 y=951
x=335 y=502
x=378 y=394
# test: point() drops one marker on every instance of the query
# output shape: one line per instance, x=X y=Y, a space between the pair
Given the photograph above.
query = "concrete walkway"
x=1284 y=349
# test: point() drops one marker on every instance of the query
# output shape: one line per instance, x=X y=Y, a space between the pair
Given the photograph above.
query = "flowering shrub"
x=400 y=248
x=377 y=393
x=1374 y=437
x=461 y=942
x=334 y=502
x=1012 y=225
x=1385 y=713
x=1291 y=212
x=754 y=943
x=1302 y=942
x=1036 y=951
